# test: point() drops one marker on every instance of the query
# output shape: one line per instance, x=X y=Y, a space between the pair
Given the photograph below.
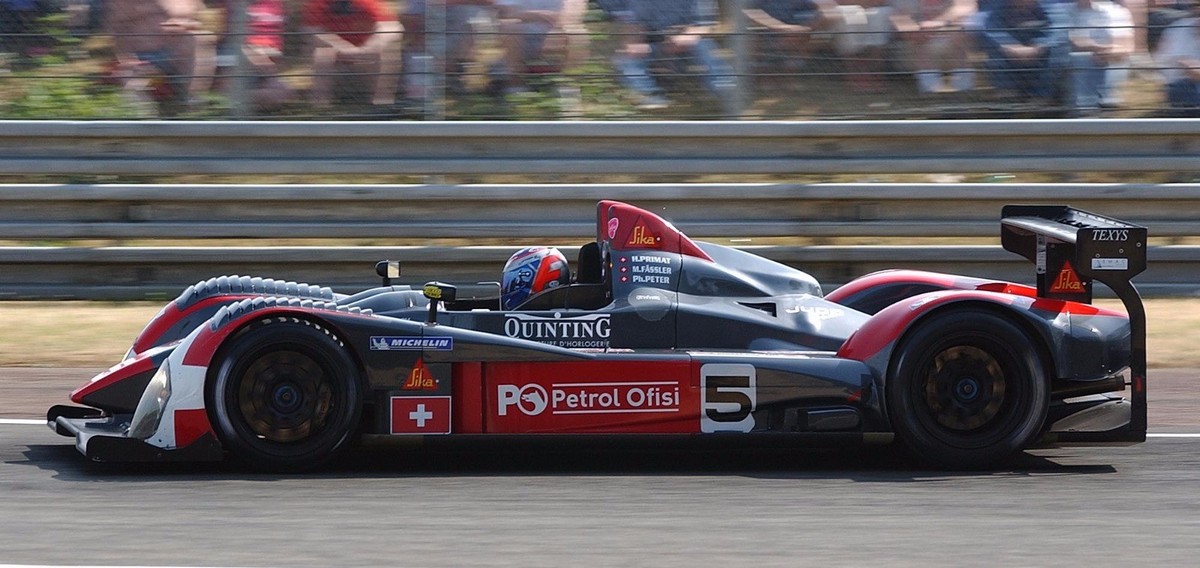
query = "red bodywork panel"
x=936 y=279
x=119 y=372
x=191 y=425
x=890 y=323
x=468 y=392
x=170 y=314
x=206 y=343
x=626 y=227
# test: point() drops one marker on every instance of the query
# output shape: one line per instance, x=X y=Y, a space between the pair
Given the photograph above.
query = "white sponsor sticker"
x=1110 y=264
x=728 y=397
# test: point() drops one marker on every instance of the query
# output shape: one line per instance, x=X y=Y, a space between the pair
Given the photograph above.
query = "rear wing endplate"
x=1073 y=248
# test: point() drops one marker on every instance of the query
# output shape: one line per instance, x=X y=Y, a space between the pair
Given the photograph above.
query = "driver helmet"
x=529 y=271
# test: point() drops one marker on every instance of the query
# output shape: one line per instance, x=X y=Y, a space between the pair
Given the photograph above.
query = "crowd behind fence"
x=598 y=59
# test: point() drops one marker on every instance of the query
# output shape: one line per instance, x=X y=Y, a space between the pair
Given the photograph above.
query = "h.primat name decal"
x=645 y=269
x=625 y=397
x=410 y=343
x=590 y=331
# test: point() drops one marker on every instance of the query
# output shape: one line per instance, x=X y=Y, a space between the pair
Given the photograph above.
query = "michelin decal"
x=411 y=343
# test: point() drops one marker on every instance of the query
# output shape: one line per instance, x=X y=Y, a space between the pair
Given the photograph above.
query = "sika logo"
x=1067 y=280
x=530 y=399
x=641 y=237
x=420 y=378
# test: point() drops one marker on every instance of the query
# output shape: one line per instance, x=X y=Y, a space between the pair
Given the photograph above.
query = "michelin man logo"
x=530 y=399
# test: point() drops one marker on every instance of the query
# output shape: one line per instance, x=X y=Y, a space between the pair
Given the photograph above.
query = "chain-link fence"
x=603 y=59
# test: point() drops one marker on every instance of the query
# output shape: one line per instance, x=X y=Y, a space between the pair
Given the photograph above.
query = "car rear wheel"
x=967 y=390
x=286 y=396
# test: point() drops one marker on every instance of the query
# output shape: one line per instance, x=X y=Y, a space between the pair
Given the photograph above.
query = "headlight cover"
x=149 y=412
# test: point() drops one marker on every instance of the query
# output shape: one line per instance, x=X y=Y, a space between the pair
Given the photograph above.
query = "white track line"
x=67 y=566
x=29 y=422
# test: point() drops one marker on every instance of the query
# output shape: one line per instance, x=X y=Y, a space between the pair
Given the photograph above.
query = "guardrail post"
x=741 y=59
x=435 y=48
x=238 y=107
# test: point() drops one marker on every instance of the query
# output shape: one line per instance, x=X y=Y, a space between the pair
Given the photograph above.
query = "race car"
x=653 y=333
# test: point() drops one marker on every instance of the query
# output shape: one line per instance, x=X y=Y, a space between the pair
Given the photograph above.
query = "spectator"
x=459 y=44
x=1179 y=61
x=791 y=25
x=539 y=36
x=672 y=32
x=262 y=47
x=162 y=36
x=1139 y=12
x=1101 y=37
x=1026 y=51
x=1162 y=14
x=861 y=33
x=362 y=35
x=17 y=18
x=933 y=41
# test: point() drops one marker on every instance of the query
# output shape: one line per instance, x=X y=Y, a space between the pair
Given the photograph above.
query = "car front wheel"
x=286 y=396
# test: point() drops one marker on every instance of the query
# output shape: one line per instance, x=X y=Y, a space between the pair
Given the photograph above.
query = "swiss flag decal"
x=420 y=415
x=1067 y=281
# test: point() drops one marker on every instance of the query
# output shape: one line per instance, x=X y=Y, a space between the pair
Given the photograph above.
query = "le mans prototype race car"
x=656 y=334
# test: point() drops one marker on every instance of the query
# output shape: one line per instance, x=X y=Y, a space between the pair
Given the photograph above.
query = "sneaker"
x=570 y=102
x=511 y=89
x=1143 y=65
x=653 y=102
x=962 y=79
x=929 y=82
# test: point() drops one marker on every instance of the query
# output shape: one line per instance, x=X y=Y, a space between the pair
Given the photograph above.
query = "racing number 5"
x=729 y=397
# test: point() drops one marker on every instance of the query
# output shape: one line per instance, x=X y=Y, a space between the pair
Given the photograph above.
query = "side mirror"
x=387 y=270
x=438 y=292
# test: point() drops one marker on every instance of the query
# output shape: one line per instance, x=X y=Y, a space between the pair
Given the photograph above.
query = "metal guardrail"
x=534 y=213
x=597 y=148
x=138 y=273
x=65 y=212
x=557 y=213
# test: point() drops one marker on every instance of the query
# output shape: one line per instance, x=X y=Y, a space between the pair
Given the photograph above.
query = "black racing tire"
x=286 y=396
x=967 y=390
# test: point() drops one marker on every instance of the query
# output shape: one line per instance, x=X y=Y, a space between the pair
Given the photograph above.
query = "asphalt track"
x=544 y=505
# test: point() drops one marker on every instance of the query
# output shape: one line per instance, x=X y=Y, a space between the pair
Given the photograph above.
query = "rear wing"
x=1073 y=248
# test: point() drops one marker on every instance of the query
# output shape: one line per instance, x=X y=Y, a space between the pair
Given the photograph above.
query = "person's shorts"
x=861 y=28
x=533 y=39
x=458 y=22
x=802 y=18
x=160 y=59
